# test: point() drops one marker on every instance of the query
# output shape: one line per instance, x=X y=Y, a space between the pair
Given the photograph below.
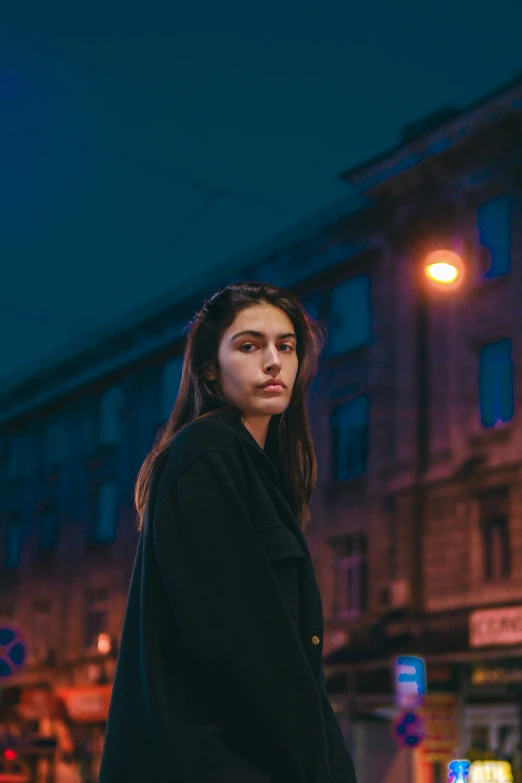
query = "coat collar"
x=268 y=456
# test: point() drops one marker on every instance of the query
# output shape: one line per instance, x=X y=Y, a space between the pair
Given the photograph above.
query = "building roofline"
x=436 y=133
x=240 y=266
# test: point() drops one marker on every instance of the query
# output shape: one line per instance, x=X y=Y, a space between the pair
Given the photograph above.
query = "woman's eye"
x=285 y=345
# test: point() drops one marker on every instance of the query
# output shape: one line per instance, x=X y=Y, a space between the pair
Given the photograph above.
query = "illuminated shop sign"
x=488 y=627
x=493 y=675
x=490 y=772
x=461 y=771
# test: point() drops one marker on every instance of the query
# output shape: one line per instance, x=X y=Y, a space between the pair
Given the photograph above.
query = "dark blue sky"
x=140 y=148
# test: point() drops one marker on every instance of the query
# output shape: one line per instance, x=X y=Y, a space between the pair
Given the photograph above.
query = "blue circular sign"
x=13 y=651
x=408 y=729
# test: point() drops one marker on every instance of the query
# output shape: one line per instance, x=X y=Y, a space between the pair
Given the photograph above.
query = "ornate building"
x=416 y=520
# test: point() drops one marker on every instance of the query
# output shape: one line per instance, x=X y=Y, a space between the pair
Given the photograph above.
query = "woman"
x=219 y=676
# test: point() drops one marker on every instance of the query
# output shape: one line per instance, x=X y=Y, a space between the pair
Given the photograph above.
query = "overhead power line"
x=167 y=171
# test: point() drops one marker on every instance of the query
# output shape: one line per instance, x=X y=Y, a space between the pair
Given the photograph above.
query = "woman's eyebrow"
x=254 y=333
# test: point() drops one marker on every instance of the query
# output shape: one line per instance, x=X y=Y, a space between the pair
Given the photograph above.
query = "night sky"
x=142 y=146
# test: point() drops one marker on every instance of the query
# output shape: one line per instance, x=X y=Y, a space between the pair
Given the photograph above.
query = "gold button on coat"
x=315 y=640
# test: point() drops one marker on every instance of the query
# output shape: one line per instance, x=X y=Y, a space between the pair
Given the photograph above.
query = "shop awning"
x=433 y=647
x=86 y=703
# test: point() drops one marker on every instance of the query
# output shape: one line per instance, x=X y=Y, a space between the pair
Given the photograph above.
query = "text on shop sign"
x=495 y=627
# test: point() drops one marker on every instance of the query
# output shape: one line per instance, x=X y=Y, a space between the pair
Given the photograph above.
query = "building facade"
x=416 y=524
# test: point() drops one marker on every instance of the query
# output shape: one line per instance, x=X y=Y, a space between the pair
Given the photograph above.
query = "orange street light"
x=444 y=269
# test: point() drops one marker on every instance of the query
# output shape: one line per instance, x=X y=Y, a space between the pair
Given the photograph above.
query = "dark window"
x=55 y=444
x=170 y=381
x=494 y=517
x=349 y=429
x=497 y=554
x=496 y=385
x=480 y=738
x=14 y=540
x=48 y=528
x=109 y=416
x=494 y=227
x=106 y=520
x=21 y=457
x=351 y=575
x=350 y=316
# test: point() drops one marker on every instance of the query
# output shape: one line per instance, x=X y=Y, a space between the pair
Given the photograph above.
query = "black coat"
x=219 y=676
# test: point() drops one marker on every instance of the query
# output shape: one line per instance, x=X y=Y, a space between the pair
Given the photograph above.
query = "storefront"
x=87 y=707
x=473 y=660
x=42 y=725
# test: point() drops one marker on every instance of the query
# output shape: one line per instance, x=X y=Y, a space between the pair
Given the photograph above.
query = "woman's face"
x=249 y=360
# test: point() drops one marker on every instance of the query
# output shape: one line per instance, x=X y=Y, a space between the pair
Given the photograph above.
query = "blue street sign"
x=410 y=681
x=408 y=729
x=13 y=651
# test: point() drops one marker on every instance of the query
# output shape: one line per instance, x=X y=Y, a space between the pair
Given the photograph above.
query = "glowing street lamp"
x=444 y=269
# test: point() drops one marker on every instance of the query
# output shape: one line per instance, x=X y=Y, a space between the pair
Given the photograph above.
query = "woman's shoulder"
x=195 y=439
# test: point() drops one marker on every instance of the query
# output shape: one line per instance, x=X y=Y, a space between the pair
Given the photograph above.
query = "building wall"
x=378 y=503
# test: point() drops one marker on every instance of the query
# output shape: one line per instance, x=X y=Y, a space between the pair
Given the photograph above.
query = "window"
x=106 y=512
x=97 y=615
x=21 y=458
x=349 y=438
x=350 y=575
x=48 y=529
x=494 y=518
x=479 y=738
x=54 y=444
x=41 y=629
x=14 y=539
x=170 y=381
x=496 y=549
x=110 y=408
x=13 y=464
x=491 y=728
x=494 y=228
x=349 y=321
x=496 y=388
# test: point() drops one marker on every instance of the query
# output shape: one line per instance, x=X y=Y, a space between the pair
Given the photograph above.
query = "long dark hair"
x=296 y=449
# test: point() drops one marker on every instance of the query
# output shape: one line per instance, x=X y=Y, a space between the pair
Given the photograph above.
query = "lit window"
x=106 y=512
x=494 y=228
x=496 y=386
x=349 y=438
x=349 y=320
x=110 y=409
x=350 y=575
x=170 y=381
x=14 y=539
